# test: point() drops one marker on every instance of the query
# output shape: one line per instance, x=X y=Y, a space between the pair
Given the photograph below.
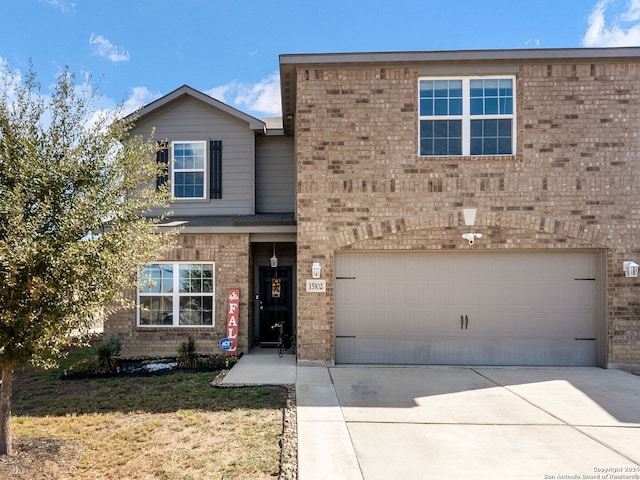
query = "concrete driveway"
x=451 y=422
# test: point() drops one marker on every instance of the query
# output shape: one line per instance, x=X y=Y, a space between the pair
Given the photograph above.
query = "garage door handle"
x=466 y=322
x=461 y=322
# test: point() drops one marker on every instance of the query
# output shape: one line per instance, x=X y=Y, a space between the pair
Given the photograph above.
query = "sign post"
x=230 y=342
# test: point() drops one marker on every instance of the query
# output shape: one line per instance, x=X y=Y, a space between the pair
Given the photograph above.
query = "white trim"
x=176 y=294
x=204 y=170
x=466 y=116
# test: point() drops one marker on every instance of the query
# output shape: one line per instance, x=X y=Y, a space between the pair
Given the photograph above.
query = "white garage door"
x=472 y=308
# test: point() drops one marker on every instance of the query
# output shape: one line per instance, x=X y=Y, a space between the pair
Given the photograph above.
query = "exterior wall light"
x=274 y=259
x=630 y=269
x=315 y=270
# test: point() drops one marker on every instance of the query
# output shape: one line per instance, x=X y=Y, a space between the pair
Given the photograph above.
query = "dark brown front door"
x=275 y=302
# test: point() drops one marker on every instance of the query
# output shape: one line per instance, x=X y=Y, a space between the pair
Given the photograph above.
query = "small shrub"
x=104 y=362
x=188 y=354
x=115 y=346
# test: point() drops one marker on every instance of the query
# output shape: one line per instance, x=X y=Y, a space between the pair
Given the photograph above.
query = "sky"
x=139 y=50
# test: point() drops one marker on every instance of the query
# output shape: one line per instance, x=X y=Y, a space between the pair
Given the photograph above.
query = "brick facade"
x=573 y=183
x=232 y=257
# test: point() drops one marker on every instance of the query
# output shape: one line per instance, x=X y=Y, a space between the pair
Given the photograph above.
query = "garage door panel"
x=450 y=351
x=522 y=308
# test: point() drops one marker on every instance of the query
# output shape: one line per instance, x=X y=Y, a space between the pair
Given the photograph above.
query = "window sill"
x=468 y=158
x=169 y=328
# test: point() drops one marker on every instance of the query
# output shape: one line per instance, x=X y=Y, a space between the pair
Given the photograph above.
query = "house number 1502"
x=316 y=286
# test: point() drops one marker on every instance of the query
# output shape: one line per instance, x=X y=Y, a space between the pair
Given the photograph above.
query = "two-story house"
x=232 y=180
x=463 y=207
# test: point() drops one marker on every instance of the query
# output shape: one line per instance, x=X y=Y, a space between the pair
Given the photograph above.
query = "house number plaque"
x=316 y=286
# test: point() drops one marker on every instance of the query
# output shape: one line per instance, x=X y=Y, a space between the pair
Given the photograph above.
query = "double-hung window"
x=176 y=295
x=467 y=116
x=189 y=170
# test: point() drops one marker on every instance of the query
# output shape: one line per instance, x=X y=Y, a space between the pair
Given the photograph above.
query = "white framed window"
x=176 y=295
x=467 y=116
x=188 y=173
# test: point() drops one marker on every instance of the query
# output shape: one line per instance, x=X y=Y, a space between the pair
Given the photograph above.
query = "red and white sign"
x=233 y=311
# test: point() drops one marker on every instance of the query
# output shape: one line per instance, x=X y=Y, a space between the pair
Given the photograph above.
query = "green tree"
x=74 y=188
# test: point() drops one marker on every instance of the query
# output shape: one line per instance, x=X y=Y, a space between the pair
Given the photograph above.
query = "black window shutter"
x=215 y=170
x=162 y=158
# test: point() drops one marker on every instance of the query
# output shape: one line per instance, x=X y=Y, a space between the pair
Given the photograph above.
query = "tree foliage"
x=74 y=188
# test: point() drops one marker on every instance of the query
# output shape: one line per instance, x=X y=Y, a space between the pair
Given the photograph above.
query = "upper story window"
x=189 y=169
x=188 y=173
x=467 y=116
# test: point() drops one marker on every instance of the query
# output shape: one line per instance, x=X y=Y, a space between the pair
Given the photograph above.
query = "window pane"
x=188 y=185
x=491 y=137
x=491 y=97
x=156 y=278
x=490 y=87
x=476 y=146
x=477 y=89
x=441 y=137
x=504 y=146
x=441 y=88
x=426 y=106
x=426 y=88
x=156 y=310
x=504 y=128
x=490 y=106
x=196 y=310
x=455 y=106
x=440 y=129
x=440 y=97
x=440 y=146
x=441 y=106
x=477 y=106
x=506 y=106
x=426 y=146
x=196 y=278
x=455 y=146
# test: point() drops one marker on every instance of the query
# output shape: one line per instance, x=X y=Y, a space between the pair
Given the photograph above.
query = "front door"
x=275 y=303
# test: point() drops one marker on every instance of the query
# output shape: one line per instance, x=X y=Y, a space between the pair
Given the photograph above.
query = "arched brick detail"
x=591 y=234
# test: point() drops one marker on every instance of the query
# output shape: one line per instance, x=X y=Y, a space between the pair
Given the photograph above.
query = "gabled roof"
x=186 y=90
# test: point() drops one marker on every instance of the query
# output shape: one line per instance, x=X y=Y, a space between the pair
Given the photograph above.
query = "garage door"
x=472 y=308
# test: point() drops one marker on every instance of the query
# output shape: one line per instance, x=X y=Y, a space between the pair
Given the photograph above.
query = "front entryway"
x=275 y=299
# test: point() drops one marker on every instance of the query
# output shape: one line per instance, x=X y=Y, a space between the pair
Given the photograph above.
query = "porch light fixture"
x=315 y=270
x=630 y=268
x=274 y=259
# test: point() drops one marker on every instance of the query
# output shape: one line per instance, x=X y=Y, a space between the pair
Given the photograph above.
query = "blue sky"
x=139 y=50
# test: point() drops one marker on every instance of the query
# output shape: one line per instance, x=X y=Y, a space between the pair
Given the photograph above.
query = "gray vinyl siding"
x=275 y=175
x=188 y=119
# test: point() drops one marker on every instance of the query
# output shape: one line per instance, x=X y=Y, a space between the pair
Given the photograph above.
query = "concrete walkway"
x=370 y=423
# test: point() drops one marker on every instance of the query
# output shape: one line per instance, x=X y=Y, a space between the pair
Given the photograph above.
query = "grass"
x=174 y=426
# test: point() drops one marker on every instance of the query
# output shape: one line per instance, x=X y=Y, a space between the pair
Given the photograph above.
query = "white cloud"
x=105 y=49
x=9 y=79
x=532 y=42
x=260 y=98
x=62 y=5
x=622 y=31
x=139 y=97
